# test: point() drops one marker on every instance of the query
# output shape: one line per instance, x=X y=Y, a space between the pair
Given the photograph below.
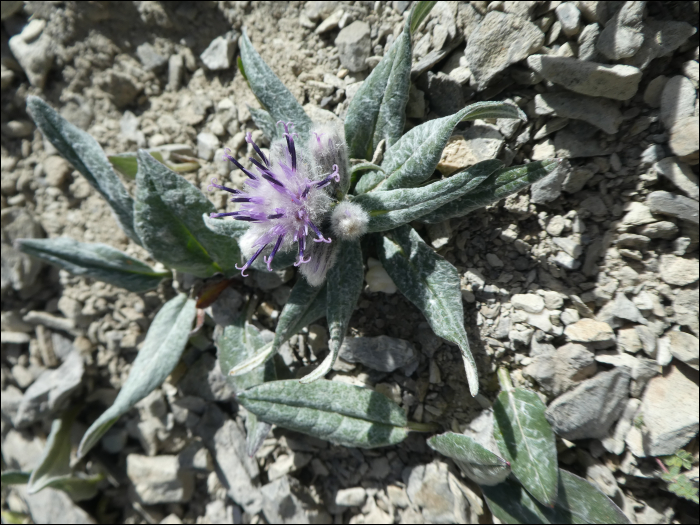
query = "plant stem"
x=422 y=427
x=661 y=464
x=504 y=380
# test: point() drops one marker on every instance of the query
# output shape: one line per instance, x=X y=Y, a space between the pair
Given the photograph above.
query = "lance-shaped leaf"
x=343 y=284
x=14 y=477
x=499 y=185
x=97 y=261
x=432 y=284
x=413 y=159
x=165 y=341
x=55 y=458
x=305 y=305
x=344 y=414
x=169 y=221
x=78 y=486
x=127 y=163
x=269 y=90
x=578 y=502
x=86 y=156
x=390 y=209
x=481 y=465
x=419 y=13
x=239 y=342
x=378 y=109
x=526 y=440
x=264 y=122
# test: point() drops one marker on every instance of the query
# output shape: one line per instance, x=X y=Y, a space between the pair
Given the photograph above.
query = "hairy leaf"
x=55 y=458
x=305 y=305
x=270 y=92
x=432 y=284
x=14 y=477
x=420 y=11
x=165 y=341
x=169 y=221
x=343 y=284
x=481 y=465
x=578 y=502
x=127 y=163
x=499 y=185
x=413 y=159
x=97 y=261
x=378 y=109
x=344 y=414
x=265 y=123
x=390 y=209
x=86 y=156
x=526 y=440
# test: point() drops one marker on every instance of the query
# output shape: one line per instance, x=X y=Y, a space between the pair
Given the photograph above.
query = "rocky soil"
x=585 y=286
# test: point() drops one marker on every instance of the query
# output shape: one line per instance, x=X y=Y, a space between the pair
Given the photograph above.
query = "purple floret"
x=281 y=202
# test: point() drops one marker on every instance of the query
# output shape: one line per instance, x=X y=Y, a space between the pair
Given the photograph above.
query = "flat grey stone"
x=51 y=391
x=670 y=412
x=428 y=487
x=665 y=203
x=444 y=93
x=590 y=409
x=623 y=34
x=602 y=113
x=618 y=82
x=661 y=37
x=159 y=479
x=150 y=58
x=678 y=271
x=587 y=40
x=286 y=500
x=382 y=353
x=500 y=39
x=569 y=17
x=236 y=470
x=684 y=139
x=218 y=56
x=560 y=370
x=204 y=379
x=677 y=100
x=354 y=46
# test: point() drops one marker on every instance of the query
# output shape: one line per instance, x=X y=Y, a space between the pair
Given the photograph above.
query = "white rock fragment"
x=570 y=18
x=219 y=54
x=618 y=82
x=531 y=303
x=677 y=100
x=680 y=175
x=34 y=50
x=377 y=279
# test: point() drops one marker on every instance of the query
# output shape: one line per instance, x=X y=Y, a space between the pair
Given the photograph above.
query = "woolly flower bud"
x=349 y=221
x=327 y=149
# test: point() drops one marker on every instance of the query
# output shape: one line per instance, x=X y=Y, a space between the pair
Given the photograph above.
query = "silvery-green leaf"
x=413 y=159
x=378 y=109
x=86 y=156
x=420 y=11
x=127 y=163
x=238 y=343
x=526 y=440
x=305 y=305
x=481 y=465
x=578 y=502
x=269 y=90
x=432 y=284
x=256 y=432
x=226 y=228
x=14 y=477
x=390 y=209
x=78 y=486
x=169 y=221
x=97 y=261
x=499 y=185
x=264 y=122
x=341 y=413
x=55 y=458
x=160 y=353
x=343 y=284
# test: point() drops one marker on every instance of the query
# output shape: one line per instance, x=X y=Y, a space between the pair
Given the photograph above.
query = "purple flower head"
x=282 y=201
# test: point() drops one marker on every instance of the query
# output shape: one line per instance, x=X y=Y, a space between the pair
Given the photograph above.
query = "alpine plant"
x=323 y=199
x=287 y=199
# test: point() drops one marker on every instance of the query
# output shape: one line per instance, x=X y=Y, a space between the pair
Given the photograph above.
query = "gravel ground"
x=585 y=286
